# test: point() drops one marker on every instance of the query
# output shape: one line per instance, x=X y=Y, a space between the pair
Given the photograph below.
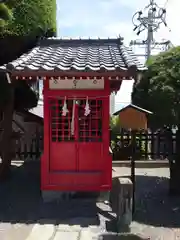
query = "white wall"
x=112 y=103
x=123 y=96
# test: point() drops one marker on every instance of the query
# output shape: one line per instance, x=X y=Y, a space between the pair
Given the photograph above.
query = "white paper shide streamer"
x=87 y=108
x=65 y=109
x=73 y=116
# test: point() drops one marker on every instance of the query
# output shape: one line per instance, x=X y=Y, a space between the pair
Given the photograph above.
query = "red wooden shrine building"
x=79 y=76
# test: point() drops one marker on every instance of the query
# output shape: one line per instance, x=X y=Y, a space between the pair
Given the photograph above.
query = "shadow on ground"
x=154 y=206
x=21 y=202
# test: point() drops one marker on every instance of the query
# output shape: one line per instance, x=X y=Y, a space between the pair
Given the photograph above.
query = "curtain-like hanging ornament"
x=87 y=108
x=73 y=116
x=65 y=109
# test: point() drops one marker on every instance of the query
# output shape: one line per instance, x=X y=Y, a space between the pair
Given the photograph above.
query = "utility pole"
x=150 y=30
x=149 y=20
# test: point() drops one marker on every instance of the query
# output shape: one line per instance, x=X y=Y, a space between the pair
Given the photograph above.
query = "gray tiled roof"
x=54 y=54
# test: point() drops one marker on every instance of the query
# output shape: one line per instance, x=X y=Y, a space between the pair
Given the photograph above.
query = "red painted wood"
x=63 y=156
x=45 y=155
x=76 y=179
x=90 y=156
x=84 y=163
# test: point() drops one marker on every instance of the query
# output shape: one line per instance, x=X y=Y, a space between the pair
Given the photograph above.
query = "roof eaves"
x=130 y=58
x=3 y=68
x=132 y=106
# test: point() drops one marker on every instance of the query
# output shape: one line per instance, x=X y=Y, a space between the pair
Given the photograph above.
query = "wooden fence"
x=149 y=145
x=30 y=149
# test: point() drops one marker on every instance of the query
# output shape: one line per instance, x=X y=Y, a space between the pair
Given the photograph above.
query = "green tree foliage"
x=5 y=12
x=115 y=129
x=23 y=23
x=5 y=15
x=29 y=16
x=115 y=123
x=159 y=89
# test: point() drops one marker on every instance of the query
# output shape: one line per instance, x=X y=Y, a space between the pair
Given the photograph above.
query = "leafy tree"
x=5 y=15
x=31 y=16
x=22 y=24
x=159 y=91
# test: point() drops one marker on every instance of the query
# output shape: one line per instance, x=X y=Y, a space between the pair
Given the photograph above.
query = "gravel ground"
x=156 y=216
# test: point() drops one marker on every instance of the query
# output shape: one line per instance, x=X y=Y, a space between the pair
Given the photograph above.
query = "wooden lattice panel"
x=60 y=125
x=90 y=127
x=87 y=128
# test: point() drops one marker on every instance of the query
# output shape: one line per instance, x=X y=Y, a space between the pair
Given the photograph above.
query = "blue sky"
x=89 y=17
x=110 y=18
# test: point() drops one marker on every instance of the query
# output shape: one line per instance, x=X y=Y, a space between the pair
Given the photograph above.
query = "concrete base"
x=55 y=196
x=104 y=197
x=122 y=236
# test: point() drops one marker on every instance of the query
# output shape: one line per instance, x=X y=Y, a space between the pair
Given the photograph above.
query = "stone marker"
x=121 y=202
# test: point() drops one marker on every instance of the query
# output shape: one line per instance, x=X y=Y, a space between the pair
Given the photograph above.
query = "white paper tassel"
x=87 y=108
x=73 y=116
x=64 y=109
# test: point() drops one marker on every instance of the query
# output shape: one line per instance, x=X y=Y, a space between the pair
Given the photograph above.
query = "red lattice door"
x=90 y=147
x=80 y=148
x=63 y=150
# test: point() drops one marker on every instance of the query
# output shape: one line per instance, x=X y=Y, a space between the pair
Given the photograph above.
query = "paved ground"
x=23 y=215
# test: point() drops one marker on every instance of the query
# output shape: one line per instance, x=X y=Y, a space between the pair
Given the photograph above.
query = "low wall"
x=142 y=164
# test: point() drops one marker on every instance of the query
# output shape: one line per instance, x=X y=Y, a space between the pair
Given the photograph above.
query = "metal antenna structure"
x=149 y=20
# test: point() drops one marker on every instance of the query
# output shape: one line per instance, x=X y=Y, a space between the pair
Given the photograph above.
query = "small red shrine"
x=79 y=76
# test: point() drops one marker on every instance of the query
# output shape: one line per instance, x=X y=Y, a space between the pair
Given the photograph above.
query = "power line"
x=166 y=3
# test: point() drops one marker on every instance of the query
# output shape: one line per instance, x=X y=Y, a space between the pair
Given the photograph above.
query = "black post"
x=133 y=153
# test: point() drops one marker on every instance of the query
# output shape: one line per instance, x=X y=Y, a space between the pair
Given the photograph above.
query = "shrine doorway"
x=76 y=134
